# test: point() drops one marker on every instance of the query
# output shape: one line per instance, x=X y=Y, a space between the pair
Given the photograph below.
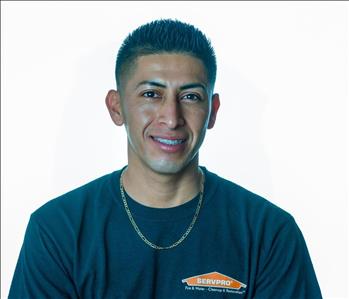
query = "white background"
x=281 y=130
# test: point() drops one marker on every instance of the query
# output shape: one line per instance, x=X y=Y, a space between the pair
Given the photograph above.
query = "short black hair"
x=166 y=36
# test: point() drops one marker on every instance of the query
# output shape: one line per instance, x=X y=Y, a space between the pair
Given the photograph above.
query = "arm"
x=286 y=270
x=42 y=269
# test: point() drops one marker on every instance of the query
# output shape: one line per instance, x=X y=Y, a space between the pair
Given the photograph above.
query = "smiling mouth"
x=168 y=141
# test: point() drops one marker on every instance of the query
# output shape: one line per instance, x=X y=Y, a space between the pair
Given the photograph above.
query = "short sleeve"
x=41 y=271
x=286 y=270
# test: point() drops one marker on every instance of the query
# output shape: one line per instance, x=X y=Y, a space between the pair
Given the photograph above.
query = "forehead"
x=170 y=68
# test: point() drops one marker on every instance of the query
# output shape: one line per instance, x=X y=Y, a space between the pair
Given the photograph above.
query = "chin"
x=166 y=167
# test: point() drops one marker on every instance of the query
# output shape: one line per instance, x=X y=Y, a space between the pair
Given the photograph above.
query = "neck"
x=162 y=190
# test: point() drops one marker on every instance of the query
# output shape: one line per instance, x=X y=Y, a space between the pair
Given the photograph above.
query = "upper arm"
x=42 y=269
x=286 y=270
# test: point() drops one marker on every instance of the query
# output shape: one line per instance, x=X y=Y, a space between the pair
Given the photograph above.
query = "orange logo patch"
x=214 y=279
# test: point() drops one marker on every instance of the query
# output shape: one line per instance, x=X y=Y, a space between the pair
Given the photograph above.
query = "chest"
x=212 y=262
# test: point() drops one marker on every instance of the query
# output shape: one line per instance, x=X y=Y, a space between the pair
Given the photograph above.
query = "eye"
x=191 y=97
x=150 y=94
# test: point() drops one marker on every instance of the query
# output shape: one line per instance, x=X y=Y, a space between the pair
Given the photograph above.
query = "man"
x=163 y=227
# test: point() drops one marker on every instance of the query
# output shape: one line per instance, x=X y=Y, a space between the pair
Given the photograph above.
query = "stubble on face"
x=160 y=112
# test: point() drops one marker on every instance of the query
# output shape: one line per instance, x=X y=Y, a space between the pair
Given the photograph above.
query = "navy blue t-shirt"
x=82 y=245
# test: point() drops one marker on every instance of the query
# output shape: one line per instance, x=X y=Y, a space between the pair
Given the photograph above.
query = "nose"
x=170 y=113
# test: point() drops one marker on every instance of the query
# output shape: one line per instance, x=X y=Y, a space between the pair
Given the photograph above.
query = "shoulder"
x=244 y=204
x=253 y=218
x=72 y=205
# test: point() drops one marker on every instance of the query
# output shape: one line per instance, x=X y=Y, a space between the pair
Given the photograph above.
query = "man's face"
x=166 y=106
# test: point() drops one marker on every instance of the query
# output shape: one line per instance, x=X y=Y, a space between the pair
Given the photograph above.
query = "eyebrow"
x=183 y=87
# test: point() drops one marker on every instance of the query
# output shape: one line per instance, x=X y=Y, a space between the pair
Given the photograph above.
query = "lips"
x=168 y=141
x=169 y=144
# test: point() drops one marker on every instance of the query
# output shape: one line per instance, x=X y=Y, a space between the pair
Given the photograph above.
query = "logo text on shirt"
x=214 y=282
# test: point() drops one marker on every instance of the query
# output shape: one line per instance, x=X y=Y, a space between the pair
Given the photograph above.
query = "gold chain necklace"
x=186 y=233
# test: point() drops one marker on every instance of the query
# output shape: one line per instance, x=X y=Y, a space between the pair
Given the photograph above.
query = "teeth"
x=169 y=141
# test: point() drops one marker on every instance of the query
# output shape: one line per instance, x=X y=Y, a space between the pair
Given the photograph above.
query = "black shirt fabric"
x=82 y=245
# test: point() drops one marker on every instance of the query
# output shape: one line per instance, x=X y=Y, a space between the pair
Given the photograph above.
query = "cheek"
x=197 y=119
x=139 y=117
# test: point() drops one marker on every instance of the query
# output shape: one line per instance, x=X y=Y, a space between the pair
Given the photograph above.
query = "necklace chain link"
x=138 y=231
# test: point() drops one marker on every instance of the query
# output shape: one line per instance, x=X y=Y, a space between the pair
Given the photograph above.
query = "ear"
x=113 y=102
x=215 y=103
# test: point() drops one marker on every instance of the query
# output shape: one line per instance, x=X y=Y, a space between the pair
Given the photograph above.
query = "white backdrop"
x=280 y=132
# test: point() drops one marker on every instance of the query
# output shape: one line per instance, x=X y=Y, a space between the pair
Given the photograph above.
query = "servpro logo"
x=214 y=280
